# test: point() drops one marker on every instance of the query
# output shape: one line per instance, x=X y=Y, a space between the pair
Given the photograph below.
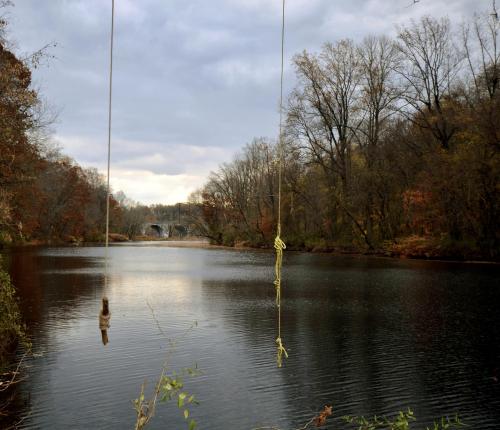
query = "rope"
x=109 y=141
x=279 y=245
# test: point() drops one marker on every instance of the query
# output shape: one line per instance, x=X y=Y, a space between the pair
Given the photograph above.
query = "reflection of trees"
x=370 y=336
x=50 y=287
x=455 y=325
x=54 y=285
x=335 y=343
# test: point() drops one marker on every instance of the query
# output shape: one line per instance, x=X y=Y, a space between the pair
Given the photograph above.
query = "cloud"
x=148 y=172
x=177 y=159
x=193 y=81
x=148 y=187
x=157 y=157
x=236 y=72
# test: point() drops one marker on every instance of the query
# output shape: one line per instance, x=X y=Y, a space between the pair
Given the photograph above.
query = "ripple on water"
x=370 y=336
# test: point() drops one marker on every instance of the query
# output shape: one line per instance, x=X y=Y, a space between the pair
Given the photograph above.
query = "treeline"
x=43 y=195
x=389 y=144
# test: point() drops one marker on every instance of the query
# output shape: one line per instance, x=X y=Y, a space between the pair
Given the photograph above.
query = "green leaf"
x=180 y=400
x=186 y=414
x=192 y=425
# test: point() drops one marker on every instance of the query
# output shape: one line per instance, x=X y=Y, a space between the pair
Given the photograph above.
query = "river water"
x=366 y=335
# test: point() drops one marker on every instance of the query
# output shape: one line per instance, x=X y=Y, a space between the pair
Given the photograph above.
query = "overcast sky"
x=194 y=80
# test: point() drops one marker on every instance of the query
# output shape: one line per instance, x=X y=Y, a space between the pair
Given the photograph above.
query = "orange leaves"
x=320 y=420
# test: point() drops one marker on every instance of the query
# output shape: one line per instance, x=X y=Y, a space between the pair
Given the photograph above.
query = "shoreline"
x=202 y=243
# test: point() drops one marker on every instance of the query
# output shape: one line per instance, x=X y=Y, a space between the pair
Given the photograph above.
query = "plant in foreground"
x=402 y=421
x=169 y=386
x=12 y=333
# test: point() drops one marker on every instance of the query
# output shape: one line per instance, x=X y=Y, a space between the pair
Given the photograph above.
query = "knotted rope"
x=279 y=245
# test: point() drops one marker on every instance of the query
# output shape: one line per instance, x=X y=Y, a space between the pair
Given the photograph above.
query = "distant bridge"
x=165 y=230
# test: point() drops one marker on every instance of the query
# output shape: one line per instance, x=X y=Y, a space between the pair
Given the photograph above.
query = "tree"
x=388 y=139
x=324 y=116
x=18 y=157
x=430 y=64
x=242 y=194
x=322 y=108
x=380 y=97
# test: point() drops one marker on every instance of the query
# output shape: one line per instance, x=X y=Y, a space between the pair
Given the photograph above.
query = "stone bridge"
x=164 y=230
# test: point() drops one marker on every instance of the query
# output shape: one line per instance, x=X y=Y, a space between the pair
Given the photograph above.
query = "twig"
x=6 y=385
x=307 y=424
x=146 y=410
x=411 y=4
x=278 y=428
x=319 y=420
x=16 y=425
x=172 y=342
x=156 y=320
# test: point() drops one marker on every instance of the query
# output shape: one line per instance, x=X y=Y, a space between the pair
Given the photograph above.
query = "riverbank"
x=12 y=334
x=415 y=250
x=413 y=247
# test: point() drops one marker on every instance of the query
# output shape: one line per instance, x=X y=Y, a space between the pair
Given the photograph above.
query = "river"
x=366 y=335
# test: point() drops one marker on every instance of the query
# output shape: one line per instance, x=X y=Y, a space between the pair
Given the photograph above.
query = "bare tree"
x=324 y=117
x=242 y=192
x=482 y=49
x=482 y=116
x=322 y=108
x=430 y=64
x=380 y=95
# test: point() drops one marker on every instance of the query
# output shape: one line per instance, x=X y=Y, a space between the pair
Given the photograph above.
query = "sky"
x=194 y=80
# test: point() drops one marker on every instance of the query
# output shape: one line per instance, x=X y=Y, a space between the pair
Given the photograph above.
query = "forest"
x=389 y=145
x=45 y=196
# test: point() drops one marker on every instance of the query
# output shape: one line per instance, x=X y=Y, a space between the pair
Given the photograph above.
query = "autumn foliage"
x=388 y=143
x=385 y=140
x=44 y=196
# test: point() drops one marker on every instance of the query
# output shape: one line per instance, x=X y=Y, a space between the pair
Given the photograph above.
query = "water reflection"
x=367 y=335
x=376 y=342
x=104 y=319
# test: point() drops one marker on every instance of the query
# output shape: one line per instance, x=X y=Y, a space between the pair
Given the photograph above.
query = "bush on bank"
x=11 y=328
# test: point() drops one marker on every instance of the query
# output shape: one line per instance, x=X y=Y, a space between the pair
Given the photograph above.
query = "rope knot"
x=280 y=352
x=279 y=245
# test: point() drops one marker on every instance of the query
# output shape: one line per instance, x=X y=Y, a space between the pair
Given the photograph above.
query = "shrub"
x=11 y=328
